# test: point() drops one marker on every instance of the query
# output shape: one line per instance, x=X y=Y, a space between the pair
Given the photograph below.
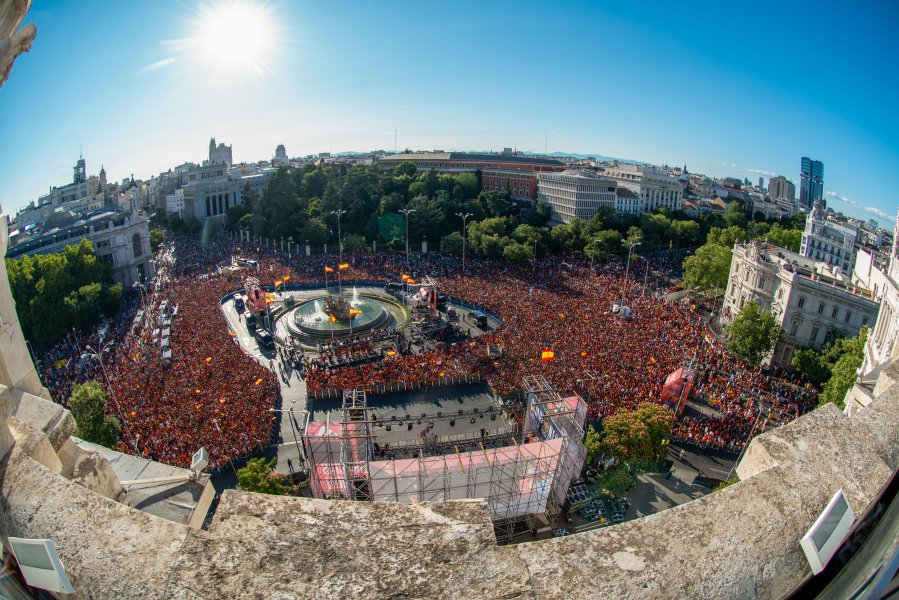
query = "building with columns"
x=808 y=303
x=655 y=187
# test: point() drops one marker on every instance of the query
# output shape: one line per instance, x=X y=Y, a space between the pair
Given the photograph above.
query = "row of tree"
x=834 y=367
x=57 y=292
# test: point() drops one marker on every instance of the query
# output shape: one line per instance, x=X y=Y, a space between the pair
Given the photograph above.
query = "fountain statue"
x=13 y=41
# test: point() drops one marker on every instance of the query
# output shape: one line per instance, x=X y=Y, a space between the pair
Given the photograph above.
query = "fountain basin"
x=311 y=319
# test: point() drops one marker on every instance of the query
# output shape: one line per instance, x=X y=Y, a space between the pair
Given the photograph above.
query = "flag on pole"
x=354 y=312
x=410 y=281
x=404 y=277
x=286 y=278
x=278 y=282
x=547 y=355
x=343 y=266
x=333 y=318
x=329 y=270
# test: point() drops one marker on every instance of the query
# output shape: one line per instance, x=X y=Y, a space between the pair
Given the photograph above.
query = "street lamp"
x=99 y=358
x=407 y=212
x=143 y=291
x=631 y=246
x=293 y=428
x=339 y=243
x=464 y=217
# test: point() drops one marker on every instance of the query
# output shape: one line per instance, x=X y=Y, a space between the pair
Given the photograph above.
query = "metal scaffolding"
x=524 y=481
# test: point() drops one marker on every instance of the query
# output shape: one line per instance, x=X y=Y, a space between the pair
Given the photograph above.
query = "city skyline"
x=637 y=83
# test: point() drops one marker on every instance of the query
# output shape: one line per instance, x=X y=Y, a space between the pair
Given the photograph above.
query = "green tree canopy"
x=709 y=267
x=753 y=333
x=87 y=403
x=259 y=476
x=845 y=370
x=638 y=436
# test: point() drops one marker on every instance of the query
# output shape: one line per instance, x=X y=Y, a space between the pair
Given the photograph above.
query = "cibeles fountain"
x=338 y=314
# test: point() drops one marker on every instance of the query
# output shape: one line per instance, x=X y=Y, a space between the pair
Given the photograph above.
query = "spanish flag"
x=585 y=354
x=208 y=360
x=278 y=282
x=343 y=266
x=391 y=353
x=354 y=312
x=404 y=277
x=333 y=318
x=329 y=270
x=410 y=281
x=286 y=278
x=547 y=355
x=258 y=381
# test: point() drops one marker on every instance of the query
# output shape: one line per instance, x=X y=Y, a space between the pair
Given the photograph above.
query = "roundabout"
x=323 y=315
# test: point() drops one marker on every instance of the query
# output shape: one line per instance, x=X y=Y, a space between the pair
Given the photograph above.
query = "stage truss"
x=524 y=484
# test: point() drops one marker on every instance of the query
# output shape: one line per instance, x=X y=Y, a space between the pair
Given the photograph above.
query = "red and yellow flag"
x=410 y=281
x=333 y=318
x=286 y=278
x=391 y=353
x=208 y=360
x=343 y=266
x=585 y=354
x=278 y=282
x=404 y=277
x=258 y=381
x=329 y=270
x=547 y=355
x=354 y=312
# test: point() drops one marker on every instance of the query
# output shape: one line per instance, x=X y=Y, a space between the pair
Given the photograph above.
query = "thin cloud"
x=157 y=65
x=854 y=204
x=762 y=172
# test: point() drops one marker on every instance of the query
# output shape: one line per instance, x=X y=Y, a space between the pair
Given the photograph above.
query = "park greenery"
x=57 y=292
x=639 y=436
x=835 y=366
x=709 y=266
x=753 y=333
x=157 y=237
x=87 y=404
x=259 y=476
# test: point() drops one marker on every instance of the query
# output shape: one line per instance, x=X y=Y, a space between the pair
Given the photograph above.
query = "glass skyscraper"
x=811 y=182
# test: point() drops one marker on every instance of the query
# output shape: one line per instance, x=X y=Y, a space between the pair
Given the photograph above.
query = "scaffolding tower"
x=424 y=319
x=524 y=483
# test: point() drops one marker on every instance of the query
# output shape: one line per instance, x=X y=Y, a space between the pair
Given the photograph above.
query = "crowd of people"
x=213 y=394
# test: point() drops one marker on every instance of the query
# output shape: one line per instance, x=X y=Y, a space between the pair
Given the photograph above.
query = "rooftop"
x=448 y=156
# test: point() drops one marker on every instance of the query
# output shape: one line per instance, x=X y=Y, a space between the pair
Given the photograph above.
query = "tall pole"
x=407 y=212
x=464 y=217
x=339 y=243
x=230 y=461
x=99 y=357
x=626 y=268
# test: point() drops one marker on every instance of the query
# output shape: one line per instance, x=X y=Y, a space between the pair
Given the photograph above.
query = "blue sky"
x=725 y=88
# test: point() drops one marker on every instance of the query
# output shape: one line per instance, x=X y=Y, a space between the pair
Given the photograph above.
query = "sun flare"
x=236 y=34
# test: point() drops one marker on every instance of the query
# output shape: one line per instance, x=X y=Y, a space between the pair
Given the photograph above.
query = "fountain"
x=337 y=315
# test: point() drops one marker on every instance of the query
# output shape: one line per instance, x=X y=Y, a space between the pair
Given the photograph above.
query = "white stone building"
x=807 y=302
x=655 y=187
x=83 y=195
x=881 y=273
x=575 y=194
x=627 y=201
x=120 y=238
x=829 y=241
x=219 y=154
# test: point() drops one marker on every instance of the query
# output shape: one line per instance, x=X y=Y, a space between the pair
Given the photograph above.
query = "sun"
x=236 y=35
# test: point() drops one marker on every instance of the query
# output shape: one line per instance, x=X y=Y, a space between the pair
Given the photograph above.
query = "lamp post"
x=98 y=356
x=293 y=428
x=631 y=246
x=339 y=243
x=230 y=461
x=407 y=212
x=464 y=217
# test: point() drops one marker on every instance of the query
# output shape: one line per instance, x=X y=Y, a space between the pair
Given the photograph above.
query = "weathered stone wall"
x=738 y=543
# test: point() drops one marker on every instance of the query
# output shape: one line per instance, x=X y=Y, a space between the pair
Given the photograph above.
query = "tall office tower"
x=781 y=188
x=811 y=182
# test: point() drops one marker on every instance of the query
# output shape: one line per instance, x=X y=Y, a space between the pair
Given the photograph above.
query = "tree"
x=845 y=370
x=811 y=365
x=709 y=267
x=405 y=168
x=753 y=333
x=603 y=244
x=354 y=243
x=785 y=238
x=452 y=243
x=541 y=214
x=639 y=436
x=516 y=252
x=593 y=444
x=87 y=403
x=735 y=214
x=259 y=476
x=157 y=236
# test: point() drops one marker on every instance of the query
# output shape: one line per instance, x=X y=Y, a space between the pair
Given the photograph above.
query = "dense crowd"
x=214 y=395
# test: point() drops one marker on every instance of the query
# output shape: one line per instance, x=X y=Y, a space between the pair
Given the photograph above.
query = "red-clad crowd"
x=212 y=394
